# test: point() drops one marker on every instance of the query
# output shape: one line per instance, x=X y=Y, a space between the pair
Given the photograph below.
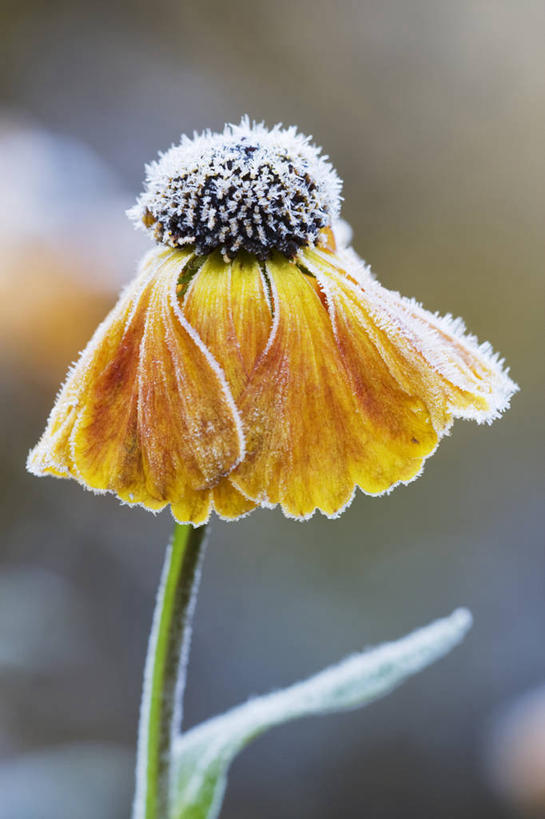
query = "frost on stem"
x=245 y=188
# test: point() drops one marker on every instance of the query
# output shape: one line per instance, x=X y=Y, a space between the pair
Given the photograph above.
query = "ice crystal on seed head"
x=245 y=188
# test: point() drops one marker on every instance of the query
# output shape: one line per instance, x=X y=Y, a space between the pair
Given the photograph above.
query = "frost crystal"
x=246 y=188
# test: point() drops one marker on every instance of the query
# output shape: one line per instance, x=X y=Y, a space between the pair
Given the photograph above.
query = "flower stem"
x=164 y=676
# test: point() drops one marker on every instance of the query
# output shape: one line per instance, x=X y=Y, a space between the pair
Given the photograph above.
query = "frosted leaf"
x=245 y=188
x=202 y=756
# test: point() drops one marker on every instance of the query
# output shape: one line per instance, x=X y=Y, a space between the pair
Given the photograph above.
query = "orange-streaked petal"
x=53 y=453
x=146 y=413
x=311 y=437
x=428 y=355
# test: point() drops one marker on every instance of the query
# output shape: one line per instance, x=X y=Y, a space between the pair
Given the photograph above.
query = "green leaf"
x=202 y=756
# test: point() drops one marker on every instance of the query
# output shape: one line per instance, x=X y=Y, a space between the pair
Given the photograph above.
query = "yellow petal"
x=227 y=305
x=428 y=355
x=229 y=503
x=146 y=413
x=312 y=432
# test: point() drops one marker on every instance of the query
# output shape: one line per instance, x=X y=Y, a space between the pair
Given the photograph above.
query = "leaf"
x=202 y=756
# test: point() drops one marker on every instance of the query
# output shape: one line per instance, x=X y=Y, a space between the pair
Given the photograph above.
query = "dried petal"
x=321 y=418
x=429 y=356
x=146 y=413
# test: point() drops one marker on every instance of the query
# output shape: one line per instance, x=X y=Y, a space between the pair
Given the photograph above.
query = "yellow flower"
x=252 y=362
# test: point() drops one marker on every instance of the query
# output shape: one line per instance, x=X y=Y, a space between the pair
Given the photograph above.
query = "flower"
x=252 y=362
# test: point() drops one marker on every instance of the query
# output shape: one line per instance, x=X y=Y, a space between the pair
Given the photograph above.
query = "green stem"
x=164 y=676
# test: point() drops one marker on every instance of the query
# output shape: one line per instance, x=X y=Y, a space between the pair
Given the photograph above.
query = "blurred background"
x=434 y=114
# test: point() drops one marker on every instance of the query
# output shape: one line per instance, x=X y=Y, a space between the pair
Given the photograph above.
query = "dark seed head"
x=245 y=189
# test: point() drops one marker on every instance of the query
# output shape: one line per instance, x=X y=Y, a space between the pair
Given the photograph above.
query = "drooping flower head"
x=254 y=360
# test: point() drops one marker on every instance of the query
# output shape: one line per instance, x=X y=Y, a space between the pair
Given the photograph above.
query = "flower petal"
x=311 y=436
x=229 y=503
x=227 y=305
x=429 y=356
x=146 y=413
